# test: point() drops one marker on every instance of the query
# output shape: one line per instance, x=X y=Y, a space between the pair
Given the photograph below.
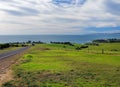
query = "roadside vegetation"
x=66 y=65
x=4 y=47
x=10 y=46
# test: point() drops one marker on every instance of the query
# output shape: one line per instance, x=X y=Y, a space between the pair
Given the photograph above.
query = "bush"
x=114 y=50
x=78 y=48
x=28 y=58
x=81 y=47
x=94 y=44
x=2 y=46
x=8 y=84
x=84 y=46
x=66 y=43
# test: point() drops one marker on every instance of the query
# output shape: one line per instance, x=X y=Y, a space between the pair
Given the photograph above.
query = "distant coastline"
x=85 y=38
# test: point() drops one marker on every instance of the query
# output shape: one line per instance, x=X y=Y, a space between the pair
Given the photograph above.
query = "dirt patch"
x=5 y=71
x=5 y=67
x=7 y=76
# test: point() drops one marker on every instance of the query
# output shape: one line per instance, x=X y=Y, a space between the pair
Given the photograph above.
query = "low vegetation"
x=19 y=44
x=63 y=65
x=3 y=46
x=8 y=45
x=65 y=43
x=107 y=40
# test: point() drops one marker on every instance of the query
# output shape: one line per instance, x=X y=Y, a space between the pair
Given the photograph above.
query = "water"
x=57 y=38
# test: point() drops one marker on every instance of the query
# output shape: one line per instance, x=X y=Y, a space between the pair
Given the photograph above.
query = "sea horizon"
x=82 y=38
x=56 y=34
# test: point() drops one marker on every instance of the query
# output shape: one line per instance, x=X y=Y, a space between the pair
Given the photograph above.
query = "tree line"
x=65 y=43
x=7 y=45
x=19 y=44
x=107 y=41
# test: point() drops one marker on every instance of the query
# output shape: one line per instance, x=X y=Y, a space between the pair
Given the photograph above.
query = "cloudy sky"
x=59 y=16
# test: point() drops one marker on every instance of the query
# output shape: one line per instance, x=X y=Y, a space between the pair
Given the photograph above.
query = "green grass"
x=53 y=65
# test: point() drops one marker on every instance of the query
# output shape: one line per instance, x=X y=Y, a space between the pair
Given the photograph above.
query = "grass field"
x=56 y=65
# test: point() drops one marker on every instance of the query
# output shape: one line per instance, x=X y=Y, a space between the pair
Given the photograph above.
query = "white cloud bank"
x=58 y=16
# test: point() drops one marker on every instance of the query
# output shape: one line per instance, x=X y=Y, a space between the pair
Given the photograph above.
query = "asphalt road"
x=11 y=53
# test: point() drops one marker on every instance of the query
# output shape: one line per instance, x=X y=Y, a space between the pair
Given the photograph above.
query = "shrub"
x=8 y=84
x=78 y=48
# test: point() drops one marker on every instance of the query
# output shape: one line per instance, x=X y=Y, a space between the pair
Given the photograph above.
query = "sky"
x=68 y=17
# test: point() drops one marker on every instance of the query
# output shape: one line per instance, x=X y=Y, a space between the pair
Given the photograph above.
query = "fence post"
x=88 y=50
x=102 y=51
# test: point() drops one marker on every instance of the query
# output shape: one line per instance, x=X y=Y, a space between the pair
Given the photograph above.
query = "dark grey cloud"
x=112 y=7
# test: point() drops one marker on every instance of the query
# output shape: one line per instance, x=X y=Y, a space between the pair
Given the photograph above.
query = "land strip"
x=6 y=60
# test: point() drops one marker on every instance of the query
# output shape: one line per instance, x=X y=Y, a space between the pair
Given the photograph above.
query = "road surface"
x=11 y=53
x=9 y=58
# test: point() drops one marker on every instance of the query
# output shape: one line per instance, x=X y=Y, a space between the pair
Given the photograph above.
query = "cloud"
x=113 y=6
x=58 y=16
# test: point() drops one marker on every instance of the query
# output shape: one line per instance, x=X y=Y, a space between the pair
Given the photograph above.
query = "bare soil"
x=5 y=67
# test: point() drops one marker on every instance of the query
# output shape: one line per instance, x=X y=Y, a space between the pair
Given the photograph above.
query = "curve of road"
x=11 y=53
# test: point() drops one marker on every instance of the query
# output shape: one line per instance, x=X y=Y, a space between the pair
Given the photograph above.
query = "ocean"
x=57 y=38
